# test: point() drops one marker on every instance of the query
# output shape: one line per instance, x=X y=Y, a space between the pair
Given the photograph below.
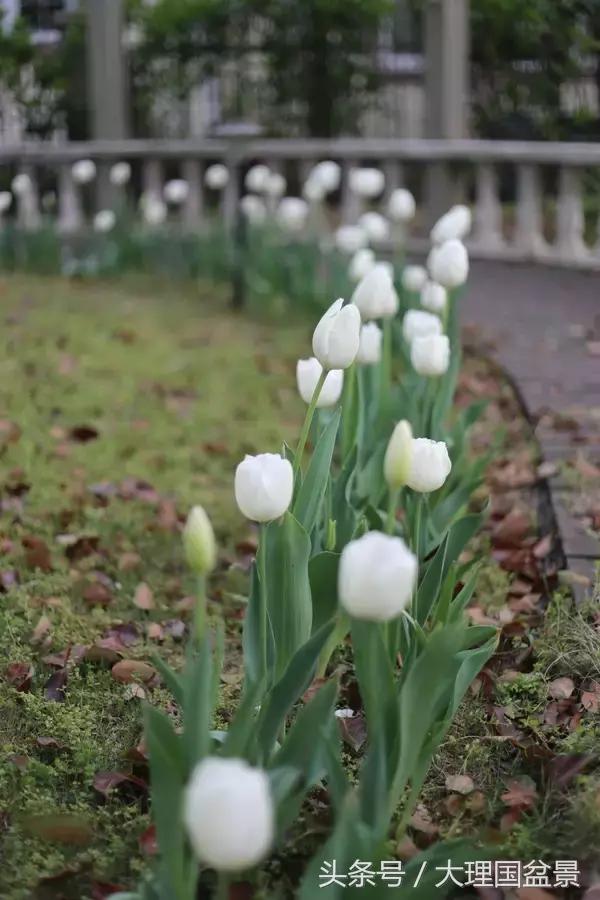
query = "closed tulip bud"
x=5 y=201
x=199 y=542
x=429 y=465
x=369 y=348
x=448 y=264
x=326 y=173
x=376 y=227
x=264 y=485
x=430 y=355
x=401 y=205
x=434 y=297
x=377 y=577
x=414 y=278
x=257 y=178
x=84 y=171
x=375 y=295
x=361 y=263
x=176 y=191
x=398 y=455
x=216 y=177
x=229 y=814
x=337 y=336
x=308 y=372
x=366 y=182
x=104 y=221
x=456 y=223
x=254 y=209
x=418 y=323
x=292 y=213
x=350 y=239
x=120 y=173
x=21 y=184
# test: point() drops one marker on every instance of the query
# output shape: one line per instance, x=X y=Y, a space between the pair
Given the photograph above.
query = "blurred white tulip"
x=254 y=209
x=350 y=238
x=120 y=173
x=401 y=205
x=257 y=178
x=366 y=182
x=375 y=295
x=176 y=191
x=430 y=354
x=216 y=177
x=414 y=278
x=327 y=174
x=5 y=201
x=376 y=227
x=153 y=209
x=448 y=264
x=275 y=185
x=369 y=348
x=104 y=221
x=84 y=171
x=418 y=323
x=456 y=223
x=434 y=297
x=21 y=184
x=292 y=213
x=361 y=263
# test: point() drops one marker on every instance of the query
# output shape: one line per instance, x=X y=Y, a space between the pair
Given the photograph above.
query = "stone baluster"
x=488 y=236
x=230 y=196
x=570 y=223
x=70 y=213
x=392 y=169
x=529 y=238
x=194 y=205
x=28 y=206
x=351 y=205
x=152 y=178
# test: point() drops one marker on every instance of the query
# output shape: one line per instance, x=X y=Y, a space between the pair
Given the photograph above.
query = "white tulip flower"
x=120 y=173
x=104 y=221
x=401 y=205
x=264 y=485
x=327 y=174
x=337 y=336
x=414 y=278
x=292 y=213
x=313 y=191
x=275 y=185
x=254 y=209
x=216 y=177
x=448 y=264
x=430 y=354
x=21 y=184
x=229 y=813
x=176 y=191
x=376 y=226
x=308 y=372
x=369 y=348
x=361 y=263
x=429 y=465
x=375 y=295
x=418 y=323
x=455 y=224
x=153 y=210
x=350 y=238
x=398 y=455
x=257 y=178
x=199 y=543
x=434 y=297
x=377 y=577
x=366 y=182
x=84 y=171
x=5 y=201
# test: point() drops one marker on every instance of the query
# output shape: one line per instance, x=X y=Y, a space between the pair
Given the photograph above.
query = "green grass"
x=177 y=389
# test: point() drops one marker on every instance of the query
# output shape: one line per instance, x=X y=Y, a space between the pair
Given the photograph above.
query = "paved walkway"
x=543 y=325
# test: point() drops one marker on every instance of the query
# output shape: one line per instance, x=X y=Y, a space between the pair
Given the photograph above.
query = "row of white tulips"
x=359 y=546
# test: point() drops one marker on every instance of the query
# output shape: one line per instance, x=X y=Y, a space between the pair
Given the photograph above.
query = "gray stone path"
x=543 y=326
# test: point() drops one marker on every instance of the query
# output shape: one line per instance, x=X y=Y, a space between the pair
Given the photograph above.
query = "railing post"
x=529 y=237
x=194 y=204
x=70 y=215
x=351 y=206
x=152 y=178
x=569 y=217
x=488 y=210
x=28 y=213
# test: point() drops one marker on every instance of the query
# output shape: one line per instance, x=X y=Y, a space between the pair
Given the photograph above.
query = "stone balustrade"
x=527 y=198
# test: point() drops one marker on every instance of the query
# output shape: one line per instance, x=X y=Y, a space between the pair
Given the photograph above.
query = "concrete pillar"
x=447 y=88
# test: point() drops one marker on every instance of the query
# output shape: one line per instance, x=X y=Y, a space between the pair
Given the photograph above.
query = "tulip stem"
x=386 y=364
x=348 y=405
x=223 y=883
x=200 y=609
x=417 y=527
x=261 y=565
x=308 y=420
x=391 y=512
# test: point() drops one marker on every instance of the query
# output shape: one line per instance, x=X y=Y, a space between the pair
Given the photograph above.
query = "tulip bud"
x=229 y=813
x=257 y=178
x=120 y=173
x=417 y=323
x=375 y=295
x=377 y=576
x=369 y=348
x=414 y=278
x=264 y=485
x=199 y=542
x=104 y=221
x=376 y=227
x=456 y=223
x=254 y=209
x=337 y=336
x=216 y=177
x=434 y=297
x=397 y=460
x=366 y=182
x=176 y=191
x=361 y=263
x=429 y=465
x=292 y=213
x=327 y=174
x=308 y=372
x=401 y=205
x=84 y=171
x=350 y=238
x=448 y=264
x=430 y=355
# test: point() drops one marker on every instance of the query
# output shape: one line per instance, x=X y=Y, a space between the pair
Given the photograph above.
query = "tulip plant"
x=360 y=546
